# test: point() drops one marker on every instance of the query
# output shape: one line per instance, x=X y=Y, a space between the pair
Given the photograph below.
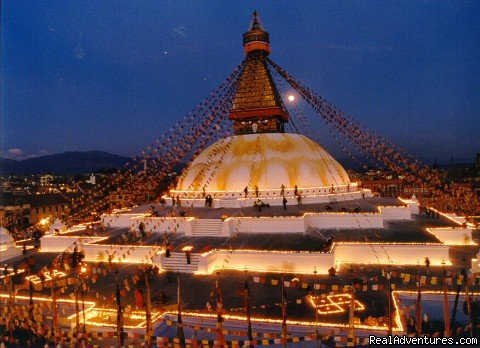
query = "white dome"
x=266 y=160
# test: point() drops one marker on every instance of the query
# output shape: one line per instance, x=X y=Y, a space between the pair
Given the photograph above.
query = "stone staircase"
x=177 y=262
x=207 y=227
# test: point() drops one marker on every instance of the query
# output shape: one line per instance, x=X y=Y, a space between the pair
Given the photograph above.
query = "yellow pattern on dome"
x=266 y=160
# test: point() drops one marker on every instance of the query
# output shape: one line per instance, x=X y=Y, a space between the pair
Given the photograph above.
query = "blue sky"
x=114 y=75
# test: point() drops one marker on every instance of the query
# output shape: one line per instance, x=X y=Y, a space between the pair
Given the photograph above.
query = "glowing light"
x=334 y=304
x=187 y=248
x=44 y=221
x=36 y=279
x=291 y=98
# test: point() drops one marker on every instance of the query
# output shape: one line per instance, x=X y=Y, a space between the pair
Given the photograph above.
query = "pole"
x=316 y=310
x=351 y=314
x=77 y=308
x=418 y=307
x=446 y=305
x=82 y=283
x=12 y=306
x=469 y=305
x=457 y=295
x=390 y=326
x=31 y=318
x=54 y=308
x=180 y=332
x=120 y=332
x=148 y=328
x=220 y=337
x=248 y=309
x=284 y=314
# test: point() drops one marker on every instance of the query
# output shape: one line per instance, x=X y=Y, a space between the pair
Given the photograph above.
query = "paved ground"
x=293 y=209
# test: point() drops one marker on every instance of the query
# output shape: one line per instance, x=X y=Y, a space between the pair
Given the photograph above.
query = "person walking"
x=245 y=190
x=284 y=202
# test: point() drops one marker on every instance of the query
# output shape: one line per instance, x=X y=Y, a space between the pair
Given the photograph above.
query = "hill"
x=73 y=162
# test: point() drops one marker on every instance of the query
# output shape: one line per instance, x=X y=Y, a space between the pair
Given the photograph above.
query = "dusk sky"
x=114 y=75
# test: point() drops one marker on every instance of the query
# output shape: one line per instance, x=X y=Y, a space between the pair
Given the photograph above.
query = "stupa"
x=270 y=210
x=261 y=158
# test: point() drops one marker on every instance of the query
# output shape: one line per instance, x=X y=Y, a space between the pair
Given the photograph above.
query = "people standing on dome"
x=295 y=191
x=245 y=190
x=282 y=191
x=178 y=201
x=284 y=202
x=299 y=199
x=256 y=191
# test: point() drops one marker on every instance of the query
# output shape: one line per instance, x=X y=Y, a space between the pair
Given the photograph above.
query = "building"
x=386 y=187
x=46 y=180
x=47 y=206
x=14 y=211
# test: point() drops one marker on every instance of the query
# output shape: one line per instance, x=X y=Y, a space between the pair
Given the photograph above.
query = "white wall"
x=59 y=244
x=133 y=254
x=296 y=262
x=119 y=220
x=453 y=235
x=277 y=224
x=343 y=220
x=396 y=212
x=412 y=204
x=164 y=224
x=400 y=254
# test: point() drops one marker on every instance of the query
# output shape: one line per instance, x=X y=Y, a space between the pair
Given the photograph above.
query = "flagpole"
x=446 y=305
x=30 y=308
x=284 y=315
x=316 y=310
x=389 y=277
x=120 y=331
x=457 y=295
x=148 y=315
x=220 y=336
x=418 y=306
x=12 y=305
x=180 y=332
x=469 y=304
x=351 y=314
x=54 y=308
x=248 y=309
x=82 y=292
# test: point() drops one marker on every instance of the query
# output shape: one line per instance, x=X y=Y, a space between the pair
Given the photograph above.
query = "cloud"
x=180 y=31
x=18 y=154
x=14 y=153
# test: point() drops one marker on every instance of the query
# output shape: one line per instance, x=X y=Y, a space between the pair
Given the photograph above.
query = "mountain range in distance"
x=72 y=162
x=84 y=162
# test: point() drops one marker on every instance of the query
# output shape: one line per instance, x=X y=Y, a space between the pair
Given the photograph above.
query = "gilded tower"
x=258 y=107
